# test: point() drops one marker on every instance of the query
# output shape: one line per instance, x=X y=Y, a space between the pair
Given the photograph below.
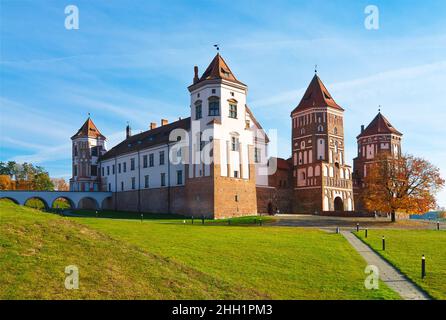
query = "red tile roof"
x=218 y=69
x=89 y=130
x=146 y=139
x=317 y=96
x=379 y=125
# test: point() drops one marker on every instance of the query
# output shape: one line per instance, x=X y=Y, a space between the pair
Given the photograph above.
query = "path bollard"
x=366 y=232
x=192 y=219
x=438 y=225
x=357 y=227
x=423 y=266
x=202 y=220
x=384 y=243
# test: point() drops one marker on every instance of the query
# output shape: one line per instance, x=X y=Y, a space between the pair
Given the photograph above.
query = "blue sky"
x=132 y=61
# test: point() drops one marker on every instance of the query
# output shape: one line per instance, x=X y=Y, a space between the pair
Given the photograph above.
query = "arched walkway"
x=36 y=203
x=88 y=203
x=10 y=199
x=107 y=204
x=338 y=204
x=63 y=203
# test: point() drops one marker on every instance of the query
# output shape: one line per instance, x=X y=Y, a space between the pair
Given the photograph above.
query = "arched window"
x=310 y=171
x=302 y=144
x=317 y=171
x=302 y=131
x=335 y=130
x=214 y=106
x=303 y=176
x=320 y=128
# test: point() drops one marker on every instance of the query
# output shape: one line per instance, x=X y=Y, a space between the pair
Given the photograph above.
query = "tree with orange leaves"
x=407 y=184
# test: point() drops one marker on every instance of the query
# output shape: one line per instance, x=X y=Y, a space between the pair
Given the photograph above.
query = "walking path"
x=387 y=273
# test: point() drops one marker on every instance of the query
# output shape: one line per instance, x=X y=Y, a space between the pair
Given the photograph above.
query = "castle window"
x=214 y=106
x=109 y=187
x=213 y=91
x=161 y=158
x=146 y=181
x=113 y=169
x=233 y=111
x=335 y=130
x=235 y=174
x=303 y=176
x=234 y=144
x=198 y=110
x=108 y=170
x=144 y=161
x=75 y=170
x=232 y=93
x=119 y=168
x=320 y=128
x=122 y=185
x=125 y=166
x=133 y=183
x=257 y=155
x=75 y=151
x=302 y=131
x=151 y=160
x=94 y=152
x=163 y=179
x=302 y=144
x=132 y=164
x=179 y=177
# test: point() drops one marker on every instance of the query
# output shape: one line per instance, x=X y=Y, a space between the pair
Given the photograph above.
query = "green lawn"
x=404 y=249
x=165 y=259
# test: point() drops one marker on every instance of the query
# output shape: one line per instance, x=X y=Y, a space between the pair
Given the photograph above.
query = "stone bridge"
x=77 y=200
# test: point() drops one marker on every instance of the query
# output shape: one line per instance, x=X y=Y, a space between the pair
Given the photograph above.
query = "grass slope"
x=404 y=249
x=36 y=247
x=164 y=259
x=282 y=263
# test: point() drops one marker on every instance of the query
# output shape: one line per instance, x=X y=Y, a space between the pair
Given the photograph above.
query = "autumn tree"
x=405 y=184
x=6 y=183
x=60 y=184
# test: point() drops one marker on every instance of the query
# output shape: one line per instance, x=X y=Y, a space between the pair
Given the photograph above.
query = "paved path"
x=387 y=273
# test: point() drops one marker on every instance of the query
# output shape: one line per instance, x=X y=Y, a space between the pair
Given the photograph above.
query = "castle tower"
x=221 y=121
x=322 y=179
x=379 y=137
x=87 y=145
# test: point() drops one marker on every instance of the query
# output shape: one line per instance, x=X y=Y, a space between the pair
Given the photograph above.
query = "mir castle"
x=215 y=162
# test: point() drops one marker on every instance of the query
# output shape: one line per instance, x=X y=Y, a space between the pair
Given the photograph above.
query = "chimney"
x=164 y=122
x=362 y=128
x=128 y=132
x=196 y=74
x=152 y=125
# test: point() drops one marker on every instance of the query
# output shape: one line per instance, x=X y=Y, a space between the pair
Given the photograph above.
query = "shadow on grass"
x=169 y=218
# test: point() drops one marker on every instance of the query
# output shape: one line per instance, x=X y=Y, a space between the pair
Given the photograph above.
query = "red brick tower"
x=379 y=137
x=322 y=180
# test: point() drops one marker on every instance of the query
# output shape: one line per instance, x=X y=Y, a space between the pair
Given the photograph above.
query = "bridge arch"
x=107 y=203
x=44 y=202
x=88 y=203
x=55 y=205
x=10 y=199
